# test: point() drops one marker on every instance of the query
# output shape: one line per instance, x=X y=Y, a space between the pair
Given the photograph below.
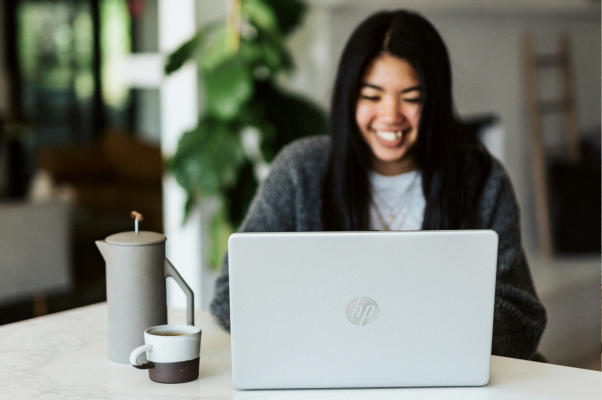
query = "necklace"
x=393 y=210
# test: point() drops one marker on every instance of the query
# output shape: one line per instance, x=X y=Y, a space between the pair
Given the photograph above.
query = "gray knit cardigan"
x=289 y=200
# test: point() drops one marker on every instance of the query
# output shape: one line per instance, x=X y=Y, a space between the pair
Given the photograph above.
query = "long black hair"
x=442 y=151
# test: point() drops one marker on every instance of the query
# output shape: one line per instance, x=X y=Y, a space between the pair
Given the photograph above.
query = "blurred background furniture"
x=110 y=179
x=566 y=170
x=47 y=242
x=35 y=252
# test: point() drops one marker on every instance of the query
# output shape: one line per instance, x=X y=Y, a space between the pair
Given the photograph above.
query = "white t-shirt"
x=399 y=200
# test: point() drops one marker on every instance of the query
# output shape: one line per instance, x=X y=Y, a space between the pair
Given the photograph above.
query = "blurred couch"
x=111 y=178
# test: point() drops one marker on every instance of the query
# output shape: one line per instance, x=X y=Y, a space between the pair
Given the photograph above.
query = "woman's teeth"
x=389 y=136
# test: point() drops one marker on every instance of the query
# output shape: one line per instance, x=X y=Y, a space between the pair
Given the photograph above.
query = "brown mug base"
x=176 y=372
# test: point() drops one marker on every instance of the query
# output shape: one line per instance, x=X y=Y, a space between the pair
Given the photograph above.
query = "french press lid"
x=136 y=238
x=132 y=239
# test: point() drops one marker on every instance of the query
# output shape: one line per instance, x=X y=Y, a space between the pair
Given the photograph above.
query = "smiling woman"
x=397 y=158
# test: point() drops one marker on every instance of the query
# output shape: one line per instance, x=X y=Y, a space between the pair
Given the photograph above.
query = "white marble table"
x=64 y=355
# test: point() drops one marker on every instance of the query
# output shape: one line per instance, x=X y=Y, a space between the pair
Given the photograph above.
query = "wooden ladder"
x=537 y=107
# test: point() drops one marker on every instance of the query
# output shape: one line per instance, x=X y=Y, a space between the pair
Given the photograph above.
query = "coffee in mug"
x=173 y=353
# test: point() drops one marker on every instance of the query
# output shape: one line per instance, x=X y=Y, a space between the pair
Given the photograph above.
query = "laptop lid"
x=361 y=309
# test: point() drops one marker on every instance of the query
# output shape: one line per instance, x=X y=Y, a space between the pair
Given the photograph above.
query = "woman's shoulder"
x=489 y=183
x=498 y=193
x=485 y=172
x=498 y=176
x=308 y=152
x=307 y=147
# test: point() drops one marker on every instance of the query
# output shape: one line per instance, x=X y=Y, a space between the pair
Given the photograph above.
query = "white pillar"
x=179 y=112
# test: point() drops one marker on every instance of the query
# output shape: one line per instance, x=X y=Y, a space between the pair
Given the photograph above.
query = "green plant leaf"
x=217 y=50
x=267 y=52
x=260 y=14
x=191 y=201
x=252 y=52
x=208 y=158
x=253 y=114
x=228 y=88
x=220 y=232
x=239 y=196
x=189 y=49
x=272 y=56
x=289 y=13
x=291 y=115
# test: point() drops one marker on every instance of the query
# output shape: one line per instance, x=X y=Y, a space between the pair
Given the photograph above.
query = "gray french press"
x=136 y=270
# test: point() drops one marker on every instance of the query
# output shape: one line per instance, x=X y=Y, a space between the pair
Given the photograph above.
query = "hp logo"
x=362 y=311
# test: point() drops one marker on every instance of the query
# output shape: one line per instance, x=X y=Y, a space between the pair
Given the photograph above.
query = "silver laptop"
x=361 y=309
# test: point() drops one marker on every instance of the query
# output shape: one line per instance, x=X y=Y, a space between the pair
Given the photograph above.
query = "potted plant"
x=247 y=117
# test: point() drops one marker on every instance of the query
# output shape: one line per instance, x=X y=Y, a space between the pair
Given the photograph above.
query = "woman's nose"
x=390 y=112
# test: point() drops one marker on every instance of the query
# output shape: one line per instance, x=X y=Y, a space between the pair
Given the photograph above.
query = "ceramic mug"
x=173 y=353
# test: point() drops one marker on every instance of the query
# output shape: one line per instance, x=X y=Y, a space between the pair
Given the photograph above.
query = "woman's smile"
x=391 y=138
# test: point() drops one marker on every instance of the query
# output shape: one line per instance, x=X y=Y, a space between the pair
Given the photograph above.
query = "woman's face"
x=388 y=113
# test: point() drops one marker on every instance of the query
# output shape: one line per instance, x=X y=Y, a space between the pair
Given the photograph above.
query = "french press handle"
x=170 y=271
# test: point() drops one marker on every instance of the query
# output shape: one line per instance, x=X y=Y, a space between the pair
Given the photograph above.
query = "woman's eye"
x=414 y=100
x=370 y=98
